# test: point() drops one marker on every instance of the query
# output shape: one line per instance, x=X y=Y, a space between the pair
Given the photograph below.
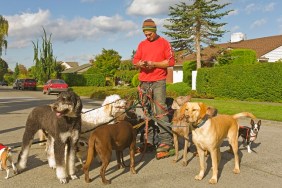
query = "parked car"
x=16 y=84
x=55 y=86
x=3 y=83
x=27 y=83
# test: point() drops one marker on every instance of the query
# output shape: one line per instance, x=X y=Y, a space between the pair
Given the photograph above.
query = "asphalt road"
x=262 y=168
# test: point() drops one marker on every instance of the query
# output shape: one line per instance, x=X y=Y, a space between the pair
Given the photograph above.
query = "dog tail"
x=91 y=152
x=244 y=114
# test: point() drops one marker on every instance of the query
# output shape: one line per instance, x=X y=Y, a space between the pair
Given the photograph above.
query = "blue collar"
x=205 y=118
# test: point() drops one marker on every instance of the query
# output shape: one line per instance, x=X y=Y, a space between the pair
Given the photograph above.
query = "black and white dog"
x=61 y=121
x=249 y=134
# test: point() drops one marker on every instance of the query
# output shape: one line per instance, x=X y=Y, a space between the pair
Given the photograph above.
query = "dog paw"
x=236 y=171
x=106 y=182
x=73 y=177
x=133 y=171
x=184 y=163
x=63 y=180
x=212 y=181
x=198 y=177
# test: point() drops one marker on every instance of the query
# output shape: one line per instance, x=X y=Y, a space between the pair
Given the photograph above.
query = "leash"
x=100 y=106
x=35 y=142
x=113 y=119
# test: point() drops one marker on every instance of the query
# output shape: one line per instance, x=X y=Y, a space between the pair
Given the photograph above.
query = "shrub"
x=261 y=82
x=178 y=89
x=188 y=67
x=135 y=80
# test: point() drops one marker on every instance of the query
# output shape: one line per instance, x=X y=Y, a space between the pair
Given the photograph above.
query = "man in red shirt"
x=153 y=56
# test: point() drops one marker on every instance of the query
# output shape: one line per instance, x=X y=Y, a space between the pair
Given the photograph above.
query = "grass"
x=262 y=110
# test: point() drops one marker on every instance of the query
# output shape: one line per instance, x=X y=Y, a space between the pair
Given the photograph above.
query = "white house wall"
x=274 y=55
x=177 y=74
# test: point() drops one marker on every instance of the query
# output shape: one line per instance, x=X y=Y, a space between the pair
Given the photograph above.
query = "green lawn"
x=262 y=110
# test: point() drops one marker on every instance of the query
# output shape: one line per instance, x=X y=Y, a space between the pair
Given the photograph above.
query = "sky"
x=80 y=29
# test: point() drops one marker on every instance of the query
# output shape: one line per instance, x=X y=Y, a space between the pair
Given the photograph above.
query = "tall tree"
x=3 y=68
x=107 y=62
x=4 y=27
x=193 y=25
x=16 y=71
x=45 y=62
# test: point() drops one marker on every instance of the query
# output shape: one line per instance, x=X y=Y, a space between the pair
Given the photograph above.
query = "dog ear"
x=182 y=109
x=211 y=111
x=175 y=105
x=203 y=109
x=252 y=122
x=78 y=105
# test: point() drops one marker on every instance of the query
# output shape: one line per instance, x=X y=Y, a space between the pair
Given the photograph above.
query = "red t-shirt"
x=156 y=51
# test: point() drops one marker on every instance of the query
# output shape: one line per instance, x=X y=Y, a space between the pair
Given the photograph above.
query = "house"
x=78 y=69
x=268 y=49
x=68 y=65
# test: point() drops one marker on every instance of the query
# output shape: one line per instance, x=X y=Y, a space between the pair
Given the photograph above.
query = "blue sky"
x=82 y=28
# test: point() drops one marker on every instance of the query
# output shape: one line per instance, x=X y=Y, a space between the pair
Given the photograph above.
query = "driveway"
x=262 y=168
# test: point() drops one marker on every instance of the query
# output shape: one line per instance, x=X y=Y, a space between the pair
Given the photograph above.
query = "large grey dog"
x=61 y=121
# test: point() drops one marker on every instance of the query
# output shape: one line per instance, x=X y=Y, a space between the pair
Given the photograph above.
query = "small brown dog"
x=6 y=155
x=208 y=134
x=181 y=127
x=110 y=137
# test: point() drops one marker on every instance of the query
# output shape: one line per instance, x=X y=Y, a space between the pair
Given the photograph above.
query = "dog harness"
x=250 y=136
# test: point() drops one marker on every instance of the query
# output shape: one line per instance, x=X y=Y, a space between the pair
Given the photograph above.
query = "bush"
x=178 y=89
x=237 y=56
x=188 y=67
x=135 y=80
x=260 y=82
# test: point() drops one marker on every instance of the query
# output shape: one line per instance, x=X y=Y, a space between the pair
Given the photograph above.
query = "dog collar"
x=205 y=118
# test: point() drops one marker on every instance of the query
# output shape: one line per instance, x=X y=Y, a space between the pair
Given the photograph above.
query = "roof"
x=70 y=64
x=78 y=69
x=261 y=45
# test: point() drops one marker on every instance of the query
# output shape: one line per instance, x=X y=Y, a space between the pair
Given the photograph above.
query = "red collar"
x=2 y=146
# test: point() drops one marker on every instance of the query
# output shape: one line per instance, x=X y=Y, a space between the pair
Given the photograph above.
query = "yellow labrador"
x=181 y=127
x=209 y=132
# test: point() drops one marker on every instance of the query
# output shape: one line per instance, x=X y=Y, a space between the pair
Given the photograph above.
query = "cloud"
x=258 y=23
x=259 y=7
x=27 y=27
x=151 y=8
x=251 y=8
x=269 y=7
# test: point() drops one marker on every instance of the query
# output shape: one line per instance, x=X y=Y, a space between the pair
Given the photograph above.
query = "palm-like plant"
x=4 y=26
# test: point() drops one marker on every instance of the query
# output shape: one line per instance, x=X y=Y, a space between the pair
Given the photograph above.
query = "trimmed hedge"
x=84 y=79
x=261 y=82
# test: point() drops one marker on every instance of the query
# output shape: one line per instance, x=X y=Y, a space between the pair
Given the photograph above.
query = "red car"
x=27 y=83
x=55 y=86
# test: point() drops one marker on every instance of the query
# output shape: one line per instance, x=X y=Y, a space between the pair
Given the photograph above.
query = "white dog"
x=111 y=105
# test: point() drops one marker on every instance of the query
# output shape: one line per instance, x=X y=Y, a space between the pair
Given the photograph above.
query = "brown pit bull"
x=110 y=137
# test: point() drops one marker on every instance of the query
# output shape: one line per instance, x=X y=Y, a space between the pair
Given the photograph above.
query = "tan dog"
x=181 y=127
x=208 y=134
x=110 y=137
x=6 y=155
